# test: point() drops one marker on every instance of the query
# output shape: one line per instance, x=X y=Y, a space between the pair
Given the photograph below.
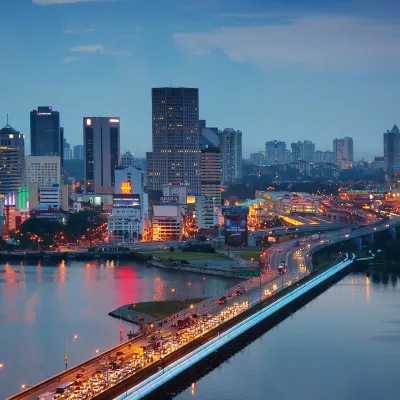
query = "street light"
x=1 y=365
x=97 y=351
x=66 y=349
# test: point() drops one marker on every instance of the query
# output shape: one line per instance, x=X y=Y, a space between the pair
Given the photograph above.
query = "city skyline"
x=284 y=93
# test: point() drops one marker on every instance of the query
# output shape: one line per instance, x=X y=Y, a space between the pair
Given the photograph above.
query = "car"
x=222 y=300
x=78 y=376
x=230 y=294
x=279 y=250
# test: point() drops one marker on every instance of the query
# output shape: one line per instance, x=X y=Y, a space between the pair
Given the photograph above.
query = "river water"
x=345 y=344
x=43 y=305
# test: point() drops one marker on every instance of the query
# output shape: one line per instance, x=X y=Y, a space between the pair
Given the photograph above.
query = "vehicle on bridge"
x=296 y=244
x=64 y=387
x=282 y=268
x=240 y=290
x=315 y=237
x=222 y=300
x=183 y=323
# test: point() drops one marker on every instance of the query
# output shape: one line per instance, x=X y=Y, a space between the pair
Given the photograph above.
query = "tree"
x=40 y=227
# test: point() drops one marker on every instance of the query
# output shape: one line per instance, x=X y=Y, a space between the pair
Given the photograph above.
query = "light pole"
x=66 y=349
x=188 y=296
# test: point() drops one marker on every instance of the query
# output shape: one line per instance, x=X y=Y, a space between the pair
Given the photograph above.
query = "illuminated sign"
x=42 y=113
x=191 y=199
x=96 y=201
x=126 y=187
x=169 y=199
x=114 y=120
x=126 y=200
x=88 y=122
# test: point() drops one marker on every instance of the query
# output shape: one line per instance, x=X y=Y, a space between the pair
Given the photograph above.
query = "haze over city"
x=290 y=70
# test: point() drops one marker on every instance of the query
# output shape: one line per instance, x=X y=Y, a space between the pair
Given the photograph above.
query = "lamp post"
x=66 y=349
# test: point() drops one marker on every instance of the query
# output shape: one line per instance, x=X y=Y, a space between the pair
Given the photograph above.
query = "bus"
x=62 y=388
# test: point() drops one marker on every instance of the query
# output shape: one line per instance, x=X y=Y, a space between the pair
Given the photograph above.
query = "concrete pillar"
x=372 y=238
x=358 y=243
x=393 y=234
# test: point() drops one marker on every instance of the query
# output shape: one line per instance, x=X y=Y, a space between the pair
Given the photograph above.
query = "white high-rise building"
x=275 y=152
x=343 y=152
x=101 y=151
x=230 y=143
x=324 y=157
x=41 y=169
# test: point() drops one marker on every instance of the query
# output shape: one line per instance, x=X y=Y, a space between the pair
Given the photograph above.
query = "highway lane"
x=269 y=284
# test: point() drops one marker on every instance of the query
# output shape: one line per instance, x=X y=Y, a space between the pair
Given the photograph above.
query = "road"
x=298 y=262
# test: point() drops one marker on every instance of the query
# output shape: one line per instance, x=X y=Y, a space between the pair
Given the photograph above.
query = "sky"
x=274 y=69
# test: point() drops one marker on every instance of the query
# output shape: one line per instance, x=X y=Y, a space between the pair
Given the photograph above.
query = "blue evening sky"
x=275 y=69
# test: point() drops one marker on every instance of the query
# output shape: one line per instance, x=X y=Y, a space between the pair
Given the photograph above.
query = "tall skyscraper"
x=343 y=152
x=67 y=151
x=304 y=151
x=101 y=151
x=391 y=150
x=12 y=149
x=78 y=152
x=127 y=159
x=275 y=152
x=175 y=159
x=46 y=134
x=210 y=173
x=230 y=143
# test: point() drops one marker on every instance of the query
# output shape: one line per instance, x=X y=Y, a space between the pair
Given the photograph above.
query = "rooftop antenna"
x=7 y=118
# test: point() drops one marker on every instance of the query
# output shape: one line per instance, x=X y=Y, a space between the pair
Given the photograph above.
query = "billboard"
x=126 y=200
x=235 y=227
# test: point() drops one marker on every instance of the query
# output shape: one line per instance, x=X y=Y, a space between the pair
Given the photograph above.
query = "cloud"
x=78 y=31
x=90 y=48
x=69 y=59
x=317 y=42
x=98 y=48
x=55 y=2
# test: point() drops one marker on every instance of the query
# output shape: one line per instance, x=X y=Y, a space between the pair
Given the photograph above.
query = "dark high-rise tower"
x=175 y=159
x=101 y=151
x=46 y=135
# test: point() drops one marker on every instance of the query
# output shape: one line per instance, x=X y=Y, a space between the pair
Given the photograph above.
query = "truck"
x=315 y=237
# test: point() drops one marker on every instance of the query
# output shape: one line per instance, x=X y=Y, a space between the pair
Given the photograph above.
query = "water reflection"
x=40 y=302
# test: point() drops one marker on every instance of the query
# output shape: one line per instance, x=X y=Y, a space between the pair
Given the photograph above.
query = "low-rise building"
x=166 y=222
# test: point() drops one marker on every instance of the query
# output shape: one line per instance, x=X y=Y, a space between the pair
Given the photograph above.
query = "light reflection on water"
x=41 y=305
x=345 y=344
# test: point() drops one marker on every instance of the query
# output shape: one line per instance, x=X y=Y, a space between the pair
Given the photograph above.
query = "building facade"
x=230 y=143
x=303 y=151
x=275 y=152
x=258 y=158
x=78 y=152
x=343 y=152
x=127 y=159
x=101 y=141
x=391 y=150
x=46 y=134
x=12 y=153
x=175 y=159
x=209 y=202
x=41 y=169
x=67 y=150
x=324 y=157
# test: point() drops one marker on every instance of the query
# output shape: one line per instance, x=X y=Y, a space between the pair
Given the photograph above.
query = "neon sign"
x=126 y=187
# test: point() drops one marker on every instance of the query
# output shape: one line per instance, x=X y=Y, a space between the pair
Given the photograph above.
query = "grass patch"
x=163 y=309
x=249 y=253
x=178 y=255
x=322 y=259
